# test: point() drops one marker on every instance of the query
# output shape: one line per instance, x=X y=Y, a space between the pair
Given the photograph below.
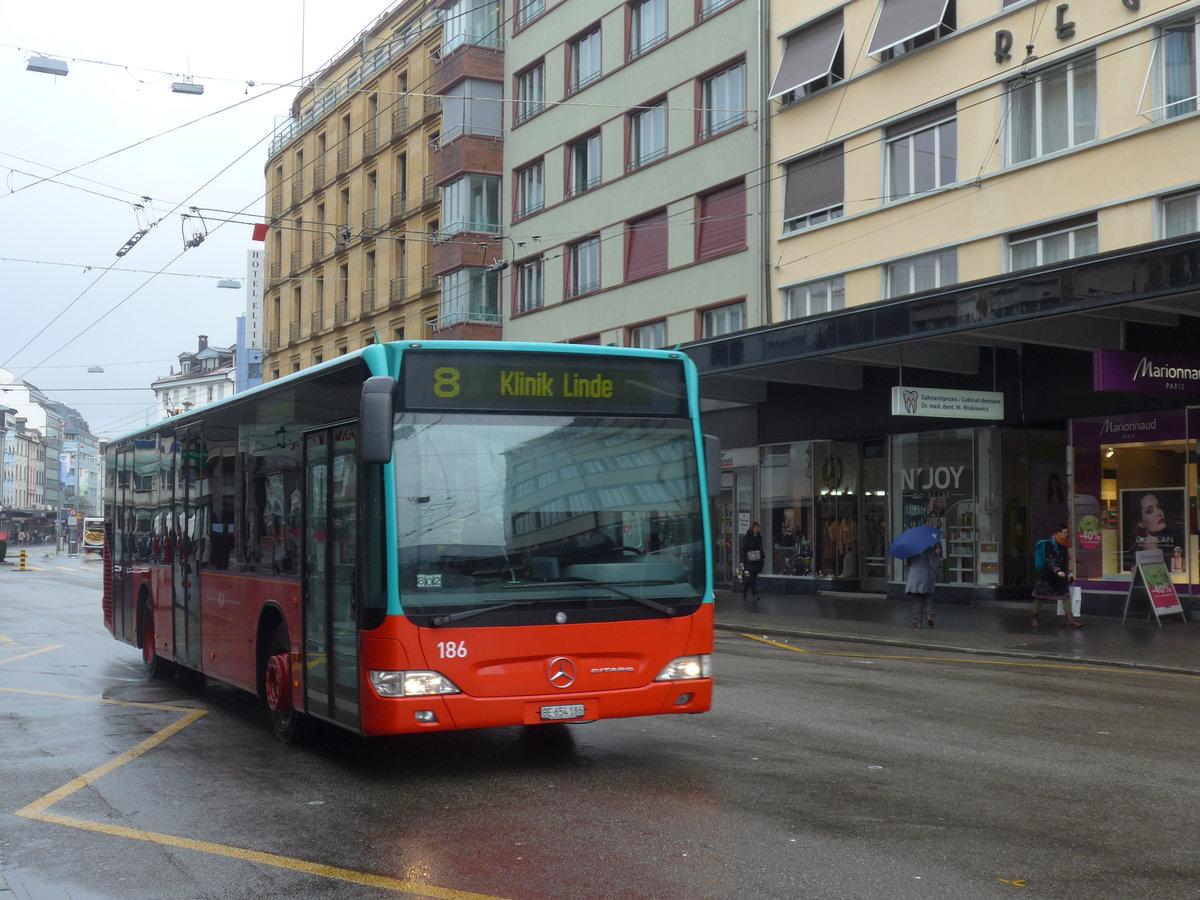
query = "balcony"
x=433 y=105
x=341 y=313
x=370 y=141
x=343 y=160
x=429 y=192
x=296 y=262
x=318 y=175
x=277 y=205
x=297 y=189
x=272 y=340
x=428 y=279
x=276 y=270
x=397 y=290
x=317 y=324
x=369 y=220
x=294 y=333
x=400 y=119
x=399 y=205
x=318 y=248
x=368 y=301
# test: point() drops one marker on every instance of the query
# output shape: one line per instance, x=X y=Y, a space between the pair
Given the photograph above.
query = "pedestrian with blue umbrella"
x=921 y=548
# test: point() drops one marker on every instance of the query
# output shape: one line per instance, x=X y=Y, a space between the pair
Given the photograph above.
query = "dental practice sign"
x=946 y=403
x=1145 y=373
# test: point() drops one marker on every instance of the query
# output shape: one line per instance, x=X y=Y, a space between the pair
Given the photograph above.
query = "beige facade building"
x=351 y=198
x=922 y=144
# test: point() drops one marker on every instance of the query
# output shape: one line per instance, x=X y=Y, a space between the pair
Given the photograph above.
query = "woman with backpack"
x=1053 y=578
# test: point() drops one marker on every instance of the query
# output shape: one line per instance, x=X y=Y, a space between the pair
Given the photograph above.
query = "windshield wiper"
x=438 y=621
x=584 y=582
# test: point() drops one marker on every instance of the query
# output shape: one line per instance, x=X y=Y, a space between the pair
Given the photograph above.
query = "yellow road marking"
x=33 y=652
x=1020 y=882
x=38 y=811
x=1011 y=663
x=5 y=639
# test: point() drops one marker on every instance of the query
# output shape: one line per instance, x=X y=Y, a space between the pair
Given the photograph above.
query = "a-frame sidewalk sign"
x=1151 y=571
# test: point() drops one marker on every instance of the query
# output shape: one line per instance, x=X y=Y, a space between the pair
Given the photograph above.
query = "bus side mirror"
x=712 y=464
x=376 y=411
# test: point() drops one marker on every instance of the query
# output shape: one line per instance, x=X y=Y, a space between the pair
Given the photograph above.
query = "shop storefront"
x=1135 y=478
x=830 y=509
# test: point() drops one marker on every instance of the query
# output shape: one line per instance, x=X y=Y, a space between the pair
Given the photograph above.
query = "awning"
x=813 y=183
x=903 y=20
x=808 y=55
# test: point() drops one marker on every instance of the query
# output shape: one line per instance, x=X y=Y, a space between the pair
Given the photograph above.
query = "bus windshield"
x=507 y=519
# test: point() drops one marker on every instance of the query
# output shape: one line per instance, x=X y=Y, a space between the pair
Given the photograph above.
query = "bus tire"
x=155 y=665
x=286 y=720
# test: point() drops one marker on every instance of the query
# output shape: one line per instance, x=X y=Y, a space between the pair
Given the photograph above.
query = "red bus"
x=427 y=536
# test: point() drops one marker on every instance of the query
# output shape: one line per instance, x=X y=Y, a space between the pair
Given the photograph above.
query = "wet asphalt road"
x=825 y=770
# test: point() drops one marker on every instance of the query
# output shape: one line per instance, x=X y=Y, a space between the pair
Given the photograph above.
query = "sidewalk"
x=1001 y=629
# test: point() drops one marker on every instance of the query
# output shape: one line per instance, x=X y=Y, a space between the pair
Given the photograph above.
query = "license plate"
x=567 y=711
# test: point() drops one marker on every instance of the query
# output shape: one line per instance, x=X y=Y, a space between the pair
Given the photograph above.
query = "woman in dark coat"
x=922 y=573
x=752 y=558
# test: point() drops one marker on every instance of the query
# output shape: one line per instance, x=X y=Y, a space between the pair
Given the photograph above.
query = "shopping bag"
x=1076 y=600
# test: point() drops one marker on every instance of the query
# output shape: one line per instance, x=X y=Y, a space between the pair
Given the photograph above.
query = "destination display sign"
x=512 y=381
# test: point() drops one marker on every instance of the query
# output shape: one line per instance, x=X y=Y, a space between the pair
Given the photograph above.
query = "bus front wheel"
x=285 y=718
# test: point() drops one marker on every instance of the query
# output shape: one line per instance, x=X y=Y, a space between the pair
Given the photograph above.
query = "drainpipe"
x=764 y=160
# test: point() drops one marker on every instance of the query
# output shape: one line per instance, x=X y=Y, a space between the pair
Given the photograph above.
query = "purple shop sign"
x=1143 y=427
x=1145 y=373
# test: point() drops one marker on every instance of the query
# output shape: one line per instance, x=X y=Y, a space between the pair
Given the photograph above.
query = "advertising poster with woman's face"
x=1153 y=519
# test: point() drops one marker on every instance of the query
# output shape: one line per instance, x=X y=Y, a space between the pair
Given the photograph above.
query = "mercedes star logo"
x=561 y=672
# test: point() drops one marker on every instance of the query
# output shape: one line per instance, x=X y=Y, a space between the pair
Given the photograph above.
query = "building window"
x=470 y=295
x=647 y=26
x=531 y=93
x=583 y=267
x=1177 y=77
x=813 y=59
x=584 y=63
x=647 y=135
x=721 y=226
x=708 y=7
x=1053 y=243
x=813 y=189
x=1053 y=110
x=922 y=273
x=922 y=153
x=470 y=22
x=528 y=10
x=1181 y=214
x=814 y=298
x=723 y=101
x=905 y=26
x=472 y=203
x=529 y=286
x=646 y=246
x=651 y=336
x=531 y=192
x=723 y=320
x=584 y=164
x=471 y=107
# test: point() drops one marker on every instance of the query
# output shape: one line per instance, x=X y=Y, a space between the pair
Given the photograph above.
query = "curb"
x=950 y=648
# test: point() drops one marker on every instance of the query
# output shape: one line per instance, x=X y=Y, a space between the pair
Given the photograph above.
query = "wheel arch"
x=270 y=618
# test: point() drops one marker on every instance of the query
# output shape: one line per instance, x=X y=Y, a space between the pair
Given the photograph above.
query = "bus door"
x=331 y=574
x=186 y=538
x=121 y=551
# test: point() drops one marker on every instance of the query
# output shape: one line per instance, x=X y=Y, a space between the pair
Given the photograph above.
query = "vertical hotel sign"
x=254 y=299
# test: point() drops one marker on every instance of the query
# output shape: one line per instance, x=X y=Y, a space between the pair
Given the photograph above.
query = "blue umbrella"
x=914 y=542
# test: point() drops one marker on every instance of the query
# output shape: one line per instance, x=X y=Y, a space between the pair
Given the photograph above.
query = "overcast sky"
x=118 y=133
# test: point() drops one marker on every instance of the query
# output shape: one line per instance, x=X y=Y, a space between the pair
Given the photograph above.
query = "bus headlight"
x=686 y=668
x=411 y=684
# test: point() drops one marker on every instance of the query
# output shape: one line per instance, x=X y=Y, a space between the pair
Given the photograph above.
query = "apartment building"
x=632 y=193
x=984 y=268
x=351 y=198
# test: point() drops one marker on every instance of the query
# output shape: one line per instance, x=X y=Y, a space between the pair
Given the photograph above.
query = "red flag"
x=260 y=231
